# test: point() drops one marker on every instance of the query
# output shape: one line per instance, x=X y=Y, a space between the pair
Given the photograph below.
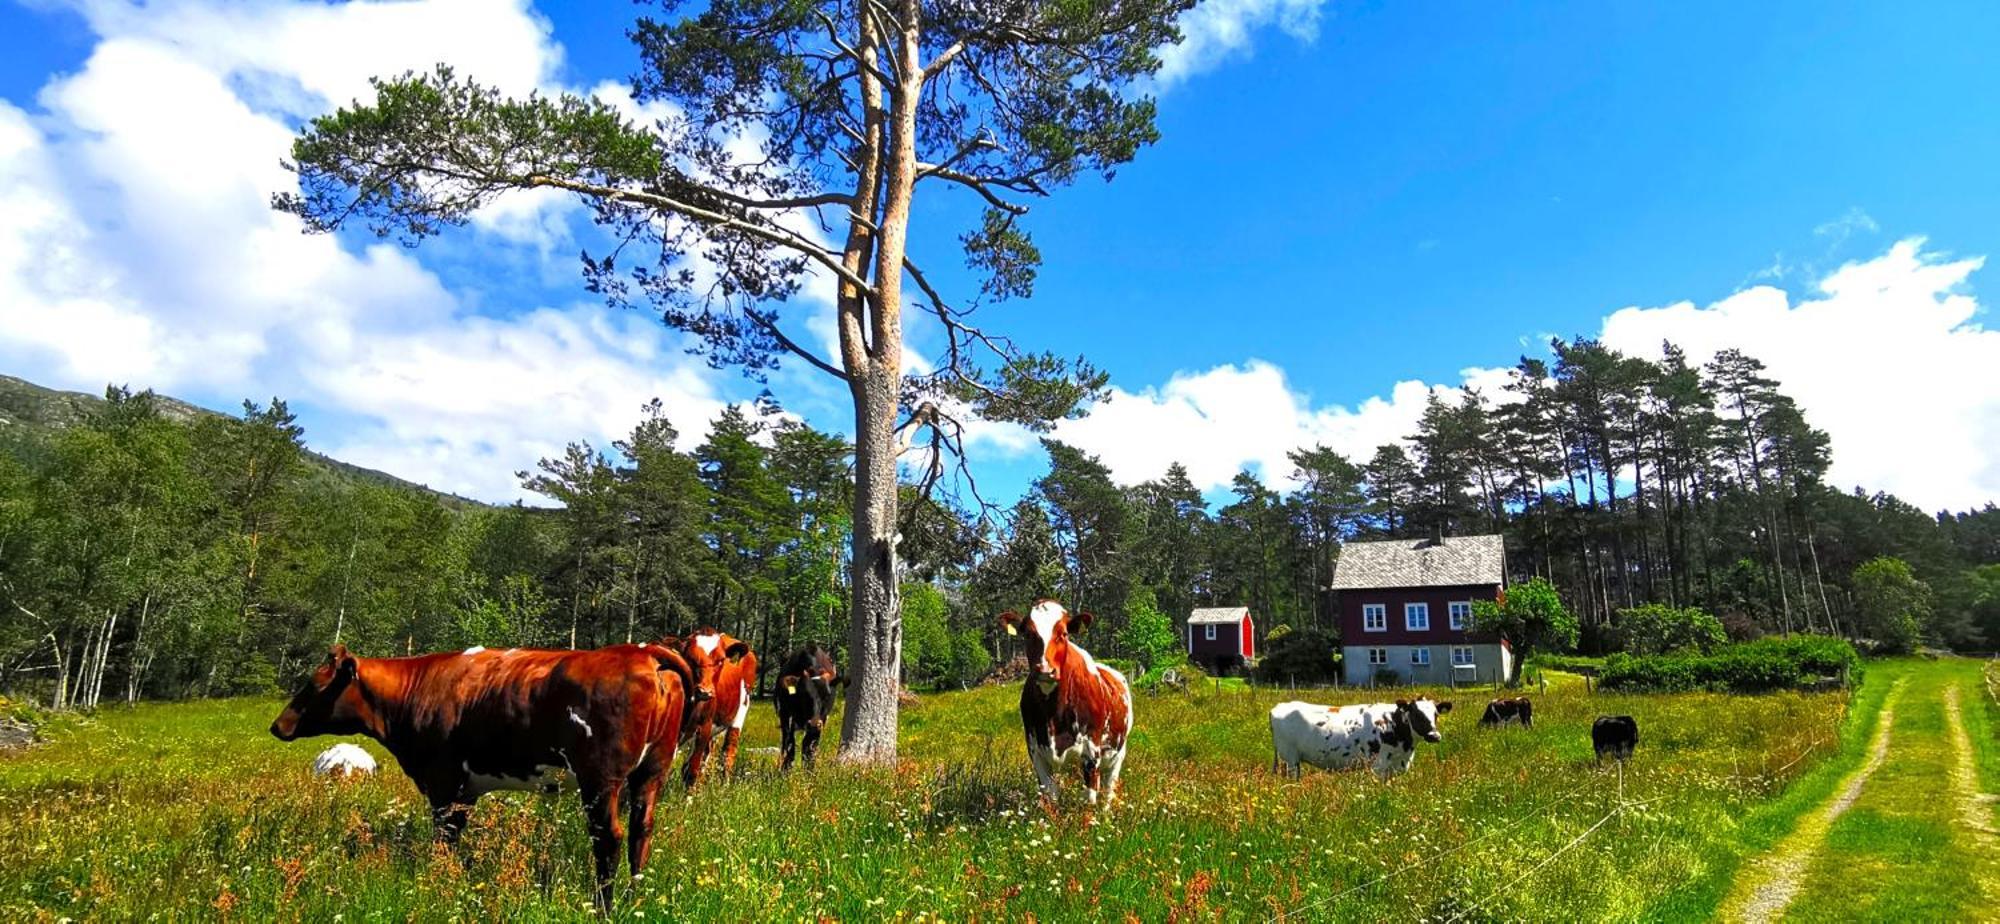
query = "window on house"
x=1416 y=616
x=1462 y=656
x=1420 y=657
x=1461 y=613
x=1374 y=617
x=1378 y=655
x=1208 y=632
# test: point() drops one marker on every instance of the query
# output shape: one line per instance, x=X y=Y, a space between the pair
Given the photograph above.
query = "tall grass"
x=193 y=812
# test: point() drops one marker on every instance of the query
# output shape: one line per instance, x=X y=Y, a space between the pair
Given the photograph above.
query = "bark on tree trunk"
x=875 y=637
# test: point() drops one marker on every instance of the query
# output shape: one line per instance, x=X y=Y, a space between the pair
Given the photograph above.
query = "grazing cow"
x=729 y=668
x=1076 y=712
x=465 y=724
x=1616 y=735
x=1381 y=735
x=342 y=761
x=804 y=697
x=1502 y=711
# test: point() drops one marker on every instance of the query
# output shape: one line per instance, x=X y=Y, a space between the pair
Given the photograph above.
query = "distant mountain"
x=29 y=411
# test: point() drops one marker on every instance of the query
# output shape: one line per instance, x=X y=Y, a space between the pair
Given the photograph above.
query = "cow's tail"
x=670 y=660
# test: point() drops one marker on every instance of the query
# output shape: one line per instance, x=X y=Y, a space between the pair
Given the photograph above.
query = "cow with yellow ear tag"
x=805 y=697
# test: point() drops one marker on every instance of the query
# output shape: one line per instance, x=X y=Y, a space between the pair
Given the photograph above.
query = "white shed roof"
x=1218 y=615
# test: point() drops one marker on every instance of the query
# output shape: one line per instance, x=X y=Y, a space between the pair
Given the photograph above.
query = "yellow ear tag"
x=1011 y=630
x=791 y=688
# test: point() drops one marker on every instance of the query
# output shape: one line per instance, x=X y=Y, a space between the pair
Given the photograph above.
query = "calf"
x=1075 y=711
x=1381 y=735
x=804 y=698
x=1616 y=735
x=729 y=667
x=1502 y=711
x=465 y=724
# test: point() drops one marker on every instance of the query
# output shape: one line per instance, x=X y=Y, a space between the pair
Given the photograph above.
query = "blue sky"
x=1351 y=204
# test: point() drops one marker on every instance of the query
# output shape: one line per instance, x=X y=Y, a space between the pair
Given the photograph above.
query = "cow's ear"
x=736 y=651
x=1011 y=621
x=1444 y=707
x=1080 y=621
x=790 y=683
x=1402 y=704
x=344 y=664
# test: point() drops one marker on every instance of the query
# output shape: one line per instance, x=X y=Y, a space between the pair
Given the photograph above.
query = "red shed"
x=1222 y=637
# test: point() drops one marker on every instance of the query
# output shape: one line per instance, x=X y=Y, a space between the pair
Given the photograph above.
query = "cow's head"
x=330 y=703
x=1422 y=716
x=816 y=683
x=1046 y=629
x=708 y=651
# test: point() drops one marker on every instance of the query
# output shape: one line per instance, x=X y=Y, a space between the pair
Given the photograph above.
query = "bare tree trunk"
x=346 y=575
x=875 y=639
x=140 y=660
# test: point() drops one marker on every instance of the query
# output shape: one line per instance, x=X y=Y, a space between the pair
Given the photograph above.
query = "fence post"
x=1544 y=679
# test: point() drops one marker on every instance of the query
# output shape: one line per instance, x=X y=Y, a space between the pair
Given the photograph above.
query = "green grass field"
x=193 y=812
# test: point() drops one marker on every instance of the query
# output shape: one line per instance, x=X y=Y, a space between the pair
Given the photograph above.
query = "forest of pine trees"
x=149 y=555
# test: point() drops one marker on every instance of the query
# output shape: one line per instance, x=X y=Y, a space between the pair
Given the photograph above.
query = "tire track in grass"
x=1965 y=776
x=1768 y=886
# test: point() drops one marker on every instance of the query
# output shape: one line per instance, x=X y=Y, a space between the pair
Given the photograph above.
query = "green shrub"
x=1301 y=655
x=1752 y=667
x=1656 y=628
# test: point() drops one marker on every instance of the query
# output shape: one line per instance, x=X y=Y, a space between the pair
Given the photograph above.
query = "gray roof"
x=1420 y=563
x=1218 y=615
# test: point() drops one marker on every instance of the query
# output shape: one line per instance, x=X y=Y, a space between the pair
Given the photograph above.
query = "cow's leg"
x=1044 y=763
x=697 y=754
x=811 y=747
x=450 y=804
x=1113 y=766
x=788 y=743
x=600 y=806
x=729 y=740
x=644 y=786
x=1090 y=777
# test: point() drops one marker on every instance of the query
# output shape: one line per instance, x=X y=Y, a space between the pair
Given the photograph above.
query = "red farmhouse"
x=1221 y=638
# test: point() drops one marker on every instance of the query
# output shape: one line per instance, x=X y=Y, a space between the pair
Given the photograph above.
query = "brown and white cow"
x=729 y=669
x=462 y=724
x=1075 y=711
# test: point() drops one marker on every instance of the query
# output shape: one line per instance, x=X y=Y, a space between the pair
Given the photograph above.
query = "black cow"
x=1616 y=735
x=805 y=696
x=1502 y=711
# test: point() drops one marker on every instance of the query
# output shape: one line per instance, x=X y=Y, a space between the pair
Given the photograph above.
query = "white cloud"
x=1222 y=420
x=137 y=245
x=1887 y=356
x=1217 y=30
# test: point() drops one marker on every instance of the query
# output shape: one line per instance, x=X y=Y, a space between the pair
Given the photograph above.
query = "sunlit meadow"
x=193 y=812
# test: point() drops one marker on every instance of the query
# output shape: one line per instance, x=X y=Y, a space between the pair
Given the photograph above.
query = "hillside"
x=29 y=412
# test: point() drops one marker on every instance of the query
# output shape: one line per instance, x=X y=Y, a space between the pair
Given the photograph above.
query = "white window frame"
x=1461 y=611
x=1462 y=655
x=1374 y=617
x=1208 y=633
x=1410 y=611
x=1420 y=657
x=1378 y=656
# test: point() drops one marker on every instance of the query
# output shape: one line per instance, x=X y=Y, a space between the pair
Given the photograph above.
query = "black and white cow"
x=1502 y=711
x=1379 y=735
x=805 y=696
x=1616 y=735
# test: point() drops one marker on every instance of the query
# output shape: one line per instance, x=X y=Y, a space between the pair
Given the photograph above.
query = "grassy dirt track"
x=1913 y=838
x=193 y=812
